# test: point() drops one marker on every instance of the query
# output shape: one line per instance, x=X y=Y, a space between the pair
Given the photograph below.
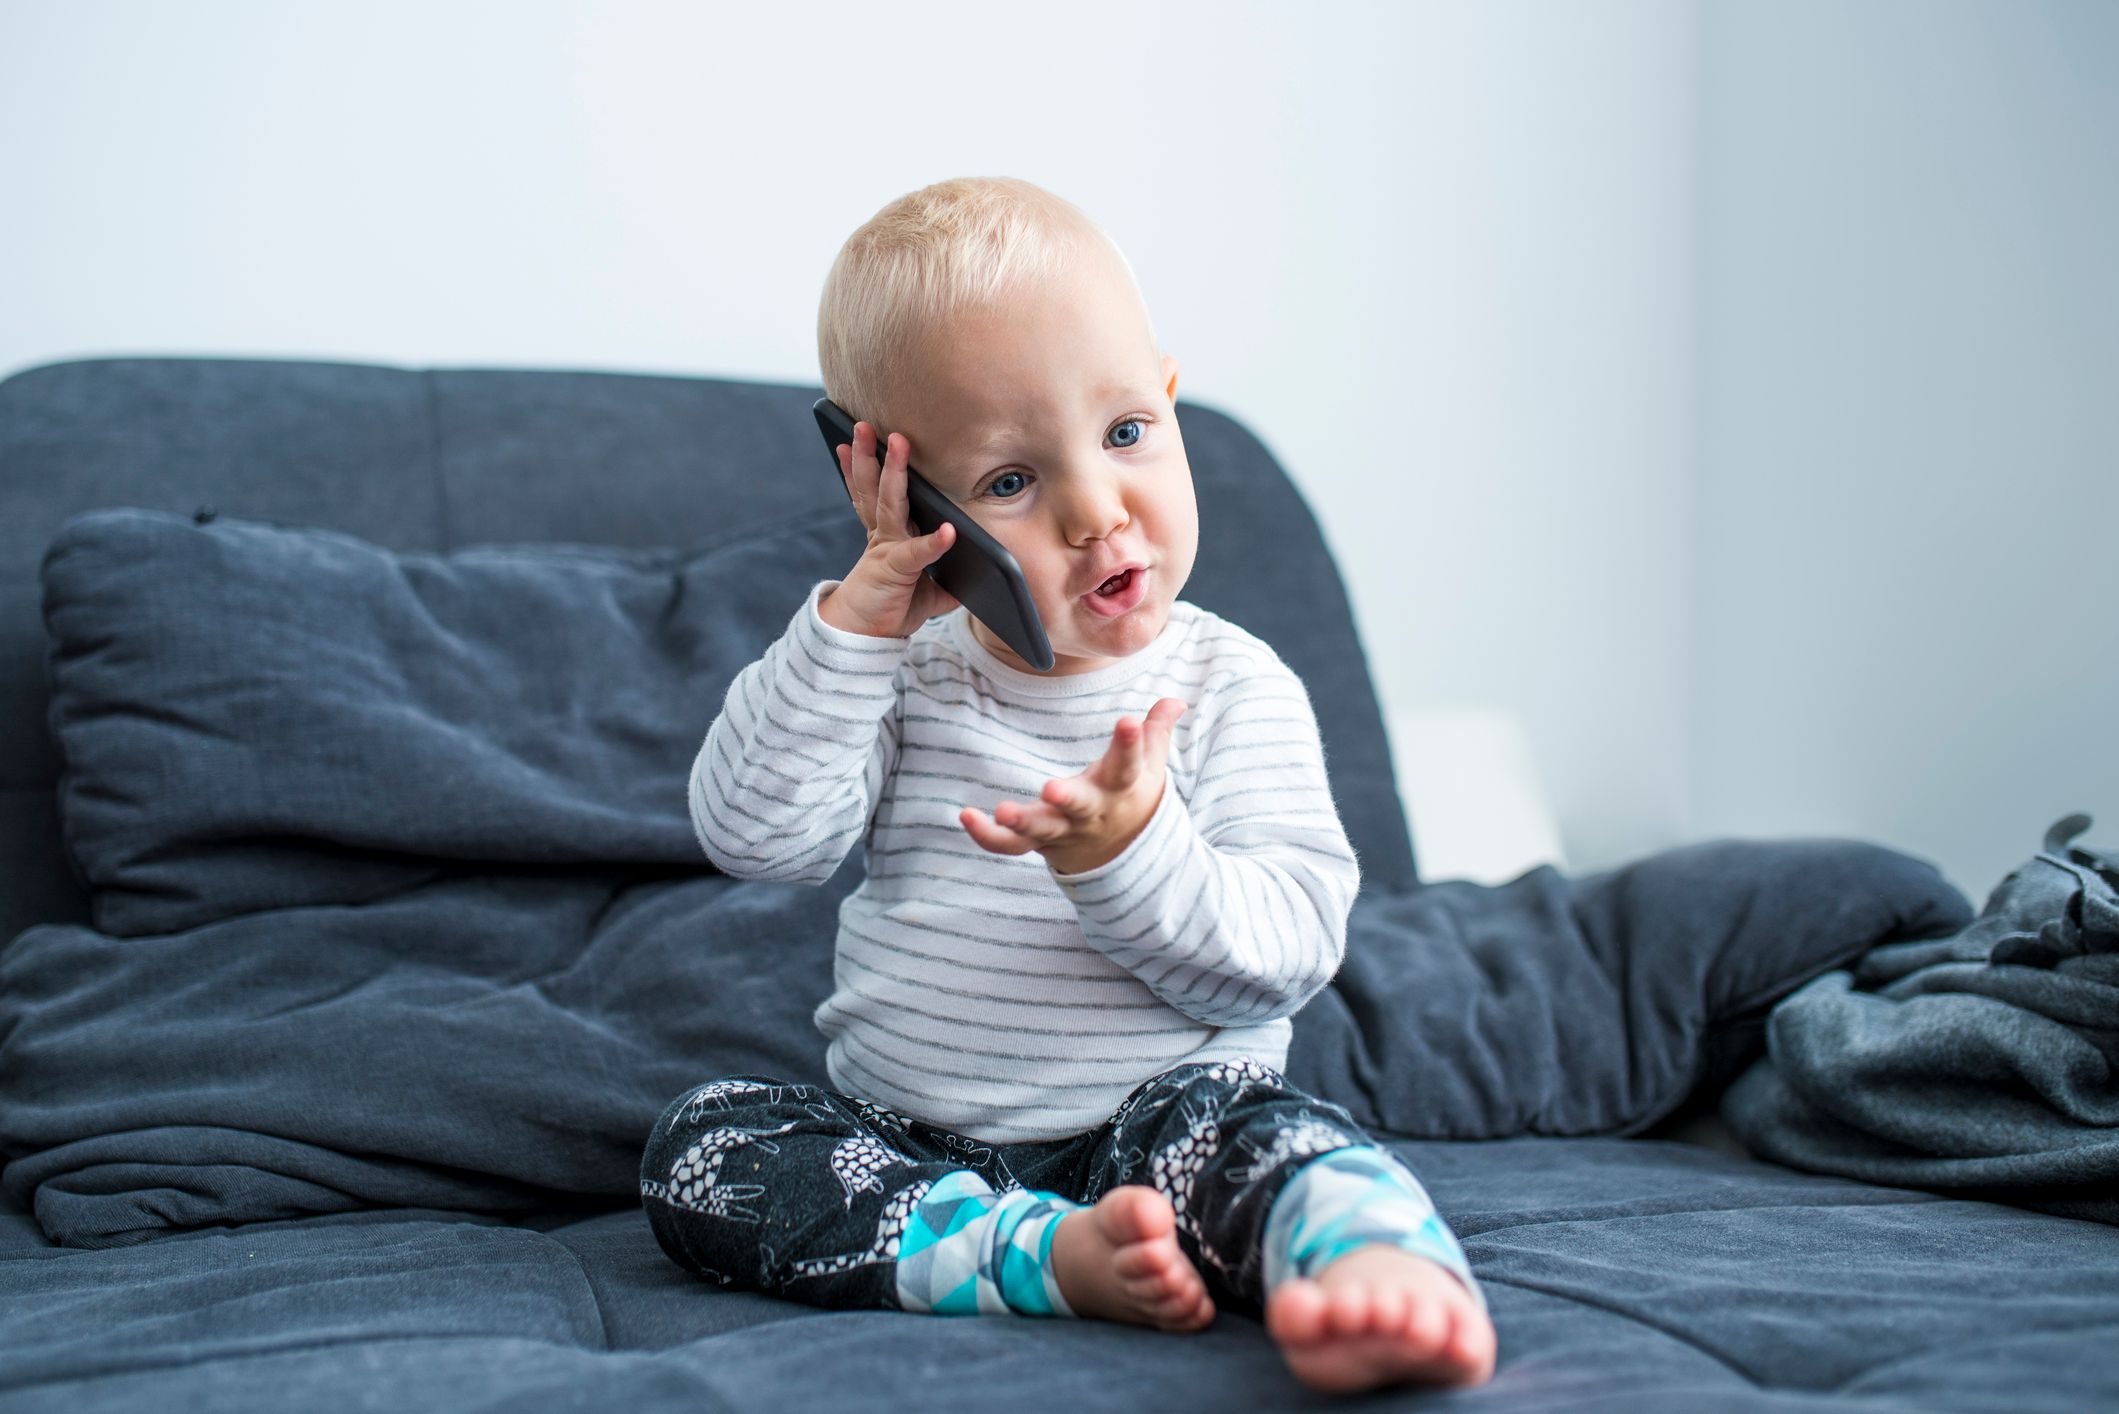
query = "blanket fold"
x=1984 y=1064
x=1594 y=1005
x=487 y=1041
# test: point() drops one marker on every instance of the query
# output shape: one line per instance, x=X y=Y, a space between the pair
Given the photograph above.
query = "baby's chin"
x=1094 y=641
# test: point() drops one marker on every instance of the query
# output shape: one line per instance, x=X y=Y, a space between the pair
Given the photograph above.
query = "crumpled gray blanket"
x=398 y=904
x=1984 y=1064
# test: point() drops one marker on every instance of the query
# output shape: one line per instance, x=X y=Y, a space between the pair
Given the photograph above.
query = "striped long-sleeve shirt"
x=990 y=994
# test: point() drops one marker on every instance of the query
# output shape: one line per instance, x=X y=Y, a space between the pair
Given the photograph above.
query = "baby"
x=1057 y=1023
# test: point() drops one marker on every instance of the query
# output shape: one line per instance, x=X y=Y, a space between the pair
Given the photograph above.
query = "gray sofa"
x=1537 y=1051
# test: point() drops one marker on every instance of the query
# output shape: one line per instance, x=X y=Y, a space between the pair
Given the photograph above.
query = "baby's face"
x=1052 y=421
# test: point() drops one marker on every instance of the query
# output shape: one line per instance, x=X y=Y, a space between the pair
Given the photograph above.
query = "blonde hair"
x=958 y=245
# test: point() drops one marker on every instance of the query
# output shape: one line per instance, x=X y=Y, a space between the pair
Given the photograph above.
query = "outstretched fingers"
x=1123 y=758
x=1140 y=745
x=1012 y=828
x=1070 y=797
x=990 y=835
x=1162 y=719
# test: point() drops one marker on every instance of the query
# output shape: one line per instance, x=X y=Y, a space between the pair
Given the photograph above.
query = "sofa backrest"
x=435 y=459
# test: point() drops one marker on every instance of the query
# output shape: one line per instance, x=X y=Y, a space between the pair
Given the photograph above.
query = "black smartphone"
x=976 y=568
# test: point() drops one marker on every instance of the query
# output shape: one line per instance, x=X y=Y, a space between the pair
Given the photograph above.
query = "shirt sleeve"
x=1233 y=908
x=791 y=770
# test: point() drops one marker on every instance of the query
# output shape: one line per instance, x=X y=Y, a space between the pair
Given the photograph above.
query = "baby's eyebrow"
x=980 y=458
x=956 y=485
x=991 y=445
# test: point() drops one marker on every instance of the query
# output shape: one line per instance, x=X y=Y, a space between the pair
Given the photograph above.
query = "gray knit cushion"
x=254 y=716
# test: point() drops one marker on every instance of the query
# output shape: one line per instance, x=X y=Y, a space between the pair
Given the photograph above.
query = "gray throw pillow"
x=254 y=716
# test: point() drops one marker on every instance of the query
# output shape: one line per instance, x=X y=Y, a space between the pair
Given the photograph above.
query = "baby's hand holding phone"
x=974 y=570
x=886 y=594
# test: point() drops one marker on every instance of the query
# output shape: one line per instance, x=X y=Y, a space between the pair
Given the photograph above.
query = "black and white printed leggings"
x=831 y=1200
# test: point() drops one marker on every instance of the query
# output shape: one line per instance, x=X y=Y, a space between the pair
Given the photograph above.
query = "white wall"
x=1436 y=255
x=1909 y=430
x=1440 y=256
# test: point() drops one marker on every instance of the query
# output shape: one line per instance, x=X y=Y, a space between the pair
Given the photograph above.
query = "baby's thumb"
x=942 y=537
x=908 y=557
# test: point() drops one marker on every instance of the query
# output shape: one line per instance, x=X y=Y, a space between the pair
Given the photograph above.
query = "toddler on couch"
x=1056 y=1024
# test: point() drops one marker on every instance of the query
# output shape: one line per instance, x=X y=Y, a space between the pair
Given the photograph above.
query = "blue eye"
x=1132 y=422
x=1004 y=477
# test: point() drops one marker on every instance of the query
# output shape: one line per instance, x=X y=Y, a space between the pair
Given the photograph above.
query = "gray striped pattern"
x=984 y=992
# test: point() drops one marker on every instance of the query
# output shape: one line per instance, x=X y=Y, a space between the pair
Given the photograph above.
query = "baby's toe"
x=1156 y=1285
x=1139 y=1259
x=1296 y=1313
x=1182 y=1303
x=1427 y=1330
x=1350 y=1311
x=1472 y=1344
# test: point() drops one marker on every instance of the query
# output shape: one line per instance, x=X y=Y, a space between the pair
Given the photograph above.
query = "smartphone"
x=976 y=568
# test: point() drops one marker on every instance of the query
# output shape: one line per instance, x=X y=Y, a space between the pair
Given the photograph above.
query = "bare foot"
x=1120 y=1261
x=1381 y=1315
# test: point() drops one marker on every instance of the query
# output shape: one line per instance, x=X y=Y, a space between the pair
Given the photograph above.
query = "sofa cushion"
x=254 y=716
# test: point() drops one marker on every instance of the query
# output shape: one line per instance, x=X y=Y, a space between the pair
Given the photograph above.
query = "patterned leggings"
x=831 y=1200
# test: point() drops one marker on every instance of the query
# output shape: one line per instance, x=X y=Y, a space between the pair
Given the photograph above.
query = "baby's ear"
x=1170 y=372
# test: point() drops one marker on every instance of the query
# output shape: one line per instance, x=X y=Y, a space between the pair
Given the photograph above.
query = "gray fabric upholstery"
x=430 y=1258
x=256 y=717
x=437 y=459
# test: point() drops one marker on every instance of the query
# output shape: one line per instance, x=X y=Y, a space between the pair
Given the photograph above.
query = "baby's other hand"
x=1085 y=821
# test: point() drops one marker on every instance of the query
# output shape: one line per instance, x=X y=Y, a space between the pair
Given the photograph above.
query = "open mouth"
x=1121 y=594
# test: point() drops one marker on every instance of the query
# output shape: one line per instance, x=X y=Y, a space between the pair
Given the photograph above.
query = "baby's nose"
x=1097 y=518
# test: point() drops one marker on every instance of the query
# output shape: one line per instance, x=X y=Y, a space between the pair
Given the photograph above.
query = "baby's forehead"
x=1035 y=359
x=1010 y=372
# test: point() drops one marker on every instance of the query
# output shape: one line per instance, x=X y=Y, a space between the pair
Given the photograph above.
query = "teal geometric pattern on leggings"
x=967 y=1250
x=1349 y=1197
